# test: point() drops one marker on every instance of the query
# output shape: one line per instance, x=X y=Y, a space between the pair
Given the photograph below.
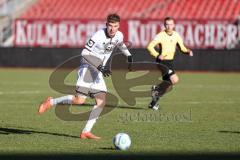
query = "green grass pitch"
x=200 y=115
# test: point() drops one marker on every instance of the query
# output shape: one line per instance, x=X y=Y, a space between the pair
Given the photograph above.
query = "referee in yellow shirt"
x=167 y=40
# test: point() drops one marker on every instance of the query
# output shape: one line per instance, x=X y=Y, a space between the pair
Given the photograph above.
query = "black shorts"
x=169 y=65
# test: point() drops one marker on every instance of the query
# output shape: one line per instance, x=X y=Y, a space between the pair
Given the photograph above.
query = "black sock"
x=163 y=87
x=154 y=101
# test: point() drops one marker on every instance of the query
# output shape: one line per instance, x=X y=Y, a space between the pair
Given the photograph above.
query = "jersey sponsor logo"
x=90 y=43
x=109 y=47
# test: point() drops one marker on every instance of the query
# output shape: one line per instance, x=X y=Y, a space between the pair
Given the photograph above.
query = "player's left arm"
x=126 y=52
x=182 y=46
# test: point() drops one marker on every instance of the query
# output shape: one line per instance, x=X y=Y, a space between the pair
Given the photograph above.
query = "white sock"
x=96 y=111
x=62 y=100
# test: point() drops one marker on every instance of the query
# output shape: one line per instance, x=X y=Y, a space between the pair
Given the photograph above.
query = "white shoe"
x=155 y=107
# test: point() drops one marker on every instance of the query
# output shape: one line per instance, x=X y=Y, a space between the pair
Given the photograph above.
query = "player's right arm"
x=92 y=41
x=152 y=44
x=90 y=52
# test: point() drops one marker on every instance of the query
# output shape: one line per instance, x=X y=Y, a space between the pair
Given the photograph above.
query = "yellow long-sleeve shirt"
x=168 y=45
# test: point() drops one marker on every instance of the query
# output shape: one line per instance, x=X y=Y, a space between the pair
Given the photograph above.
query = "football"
x=122 y=141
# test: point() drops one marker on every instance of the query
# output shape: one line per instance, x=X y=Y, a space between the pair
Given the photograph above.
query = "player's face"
x=169 y=25
x=112 y=28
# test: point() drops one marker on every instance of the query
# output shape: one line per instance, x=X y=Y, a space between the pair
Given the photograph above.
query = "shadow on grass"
x=129 y=107
x=83 y=105
x=8 y=131
x=123 y=156
x=232 y=132
x=111 y=106
x=91 y=105
x=108 y=148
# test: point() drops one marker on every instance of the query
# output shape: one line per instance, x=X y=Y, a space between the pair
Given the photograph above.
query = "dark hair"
x=167 y=19
x=113 y=18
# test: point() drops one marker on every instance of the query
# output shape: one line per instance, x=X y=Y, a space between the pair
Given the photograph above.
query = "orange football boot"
x=45 y=105
x=89 y=135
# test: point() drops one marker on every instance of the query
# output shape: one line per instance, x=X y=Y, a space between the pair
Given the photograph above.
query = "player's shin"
x=62 y=100
x=95 y=113
x=162 y=88
x=158 y=91
x=154 y=95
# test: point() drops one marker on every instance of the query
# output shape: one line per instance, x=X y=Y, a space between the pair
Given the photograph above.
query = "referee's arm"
x=182 y=46
x=151 y=48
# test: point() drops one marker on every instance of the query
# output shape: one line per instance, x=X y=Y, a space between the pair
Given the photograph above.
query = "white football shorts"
x=90 y=80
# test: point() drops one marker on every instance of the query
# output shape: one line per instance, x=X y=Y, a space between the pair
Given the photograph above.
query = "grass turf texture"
x=200 y=115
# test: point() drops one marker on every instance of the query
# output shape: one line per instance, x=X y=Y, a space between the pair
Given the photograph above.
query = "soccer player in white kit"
x=93 y=67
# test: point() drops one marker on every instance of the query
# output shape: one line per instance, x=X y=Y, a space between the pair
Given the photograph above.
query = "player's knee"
x=101 y=102
x=174 y=80
x=78 y=100
x=100 y=99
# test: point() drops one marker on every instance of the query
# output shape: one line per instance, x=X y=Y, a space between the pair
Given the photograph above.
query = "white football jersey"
x=102 y=46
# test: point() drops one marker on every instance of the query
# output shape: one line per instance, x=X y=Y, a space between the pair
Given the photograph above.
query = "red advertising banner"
x=74 y=33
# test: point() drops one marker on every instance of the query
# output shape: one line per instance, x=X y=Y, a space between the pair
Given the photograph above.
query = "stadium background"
x=44 y=33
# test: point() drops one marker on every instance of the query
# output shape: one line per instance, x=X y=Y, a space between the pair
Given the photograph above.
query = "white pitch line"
x=20 y=92
x=18 y=102
x=204 y=102
x=21 y=83
x=210 y=86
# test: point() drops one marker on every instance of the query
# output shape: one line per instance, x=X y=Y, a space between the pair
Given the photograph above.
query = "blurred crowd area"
x=68 y=23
